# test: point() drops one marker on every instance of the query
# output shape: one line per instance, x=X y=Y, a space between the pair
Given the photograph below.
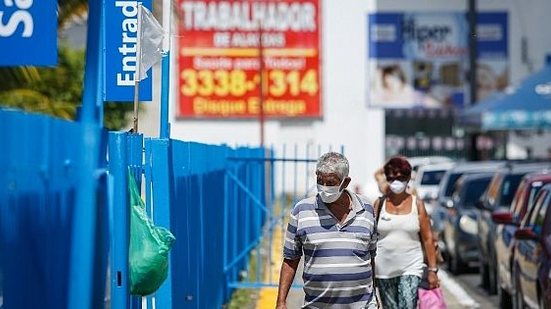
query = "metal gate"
x=261 y=191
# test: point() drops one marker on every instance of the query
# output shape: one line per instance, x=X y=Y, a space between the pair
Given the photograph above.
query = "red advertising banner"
x=220 y=72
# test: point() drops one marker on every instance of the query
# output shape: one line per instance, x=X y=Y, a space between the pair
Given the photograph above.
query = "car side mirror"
x=525 y=234
x=503 y=217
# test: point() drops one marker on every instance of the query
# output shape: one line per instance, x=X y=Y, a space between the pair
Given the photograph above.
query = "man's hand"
x=433 y=280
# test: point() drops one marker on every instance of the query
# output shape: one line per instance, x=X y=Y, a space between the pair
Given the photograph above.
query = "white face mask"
x=397 y=186
x=329 y=194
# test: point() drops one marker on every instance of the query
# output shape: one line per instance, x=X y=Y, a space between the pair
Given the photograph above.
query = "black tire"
x=484 y=278
x=492 y=279
x=505 y=301
x=455 y=264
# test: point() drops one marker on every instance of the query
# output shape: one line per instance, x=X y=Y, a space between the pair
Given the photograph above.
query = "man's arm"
x=286 y=276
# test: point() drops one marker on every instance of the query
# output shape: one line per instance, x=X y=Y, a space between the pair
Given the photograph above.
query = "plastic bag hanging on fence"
x=149 y=247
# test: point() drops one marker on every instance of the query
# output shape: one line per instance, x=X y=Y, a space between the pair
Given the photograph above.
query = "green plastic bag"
x=149 y=247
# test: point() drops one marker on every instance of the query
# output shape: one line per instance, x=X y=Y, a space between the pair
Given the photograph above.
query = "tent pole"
x=471 y=17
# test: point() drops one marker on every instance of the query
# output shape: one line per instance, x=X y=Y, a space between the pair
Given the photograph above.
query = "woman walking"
x=405 y=241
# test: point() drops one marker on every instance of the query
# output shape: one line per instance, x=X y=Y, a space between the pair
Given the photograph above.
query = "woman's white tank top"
x=399 y=250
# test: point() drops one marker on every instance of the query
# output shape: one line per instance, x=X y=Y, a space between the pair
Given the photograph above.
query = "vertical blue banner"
x=28 y=33
x=121 y=23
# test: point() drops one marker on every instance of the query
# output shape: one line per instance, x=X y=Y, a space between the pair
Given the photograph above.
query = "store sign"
x=121 y=24
x=221 y=44
x=421 y=59
x=28 y=32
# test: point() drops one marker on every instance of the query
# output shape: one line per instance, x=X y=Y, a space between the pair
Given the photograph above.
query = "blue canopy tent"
x=527 y=106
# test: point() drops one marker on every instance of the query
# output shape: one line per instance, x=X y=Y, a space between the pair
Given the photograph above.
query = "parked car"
x=499 y=196
x=417 y=162
x=507 y=223
x=428 y=178
x=445 y=190
x=532 y=256
x=460 y=228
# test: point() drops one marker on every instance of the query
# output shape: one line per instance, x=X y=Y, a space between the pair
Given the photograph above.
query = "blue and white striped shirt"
x=337 y=257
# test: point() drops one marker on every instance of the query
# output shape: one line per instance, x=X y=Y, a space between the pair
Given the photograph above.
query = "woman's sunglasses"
x=399 y=178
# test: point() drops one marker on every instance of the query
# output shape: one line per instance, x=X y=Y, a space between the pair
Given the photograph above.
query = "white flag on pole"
x=151 y=42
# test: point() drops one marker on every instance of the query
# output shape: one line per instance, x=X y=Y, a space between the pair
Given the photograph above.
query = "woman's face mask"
x=329 y=194
x=397 y=186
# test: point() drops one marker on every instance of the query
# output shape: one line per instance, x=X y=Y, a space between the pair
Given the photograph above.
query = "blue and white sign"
x=419 y=59
x=121 y=25
x=28 y=32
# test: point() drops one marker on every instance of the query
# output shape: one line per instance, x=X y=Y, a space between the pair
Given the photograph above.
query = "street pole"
x=471 y=17
x=137 y=75
x=261 y=84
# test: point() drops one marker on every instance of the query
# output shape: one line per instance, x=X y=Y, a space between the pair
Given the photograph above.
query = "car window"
x=534 y=219
x=534 y=190
x=452 y=179
x=547 y=228
x=432 y=177
x=508 y=188
x=472 y=192
x=519 y=199
x=493 y=189
x=539 y=218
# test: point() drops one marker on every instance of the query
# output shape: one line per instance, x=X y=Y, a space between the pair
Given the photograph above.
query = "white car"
x=417 y=162
x=427 y=179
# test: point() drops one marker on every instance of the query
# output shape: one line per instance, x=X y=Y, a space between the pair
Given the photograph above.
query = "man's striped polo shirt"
x=337 y=258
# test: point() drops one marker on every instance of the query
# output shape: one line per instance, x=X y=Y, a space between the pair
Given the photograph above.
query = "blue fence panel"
x=39 y=183
x=196 y=221
x=187 y=191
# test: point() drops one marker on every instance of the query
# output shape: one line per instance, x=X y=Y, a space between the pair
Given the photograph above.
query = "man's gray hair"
x=334 y=163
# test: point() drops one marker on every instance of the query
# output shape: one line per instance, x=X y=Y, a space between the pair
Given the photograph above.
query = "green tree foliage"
x=58 y=91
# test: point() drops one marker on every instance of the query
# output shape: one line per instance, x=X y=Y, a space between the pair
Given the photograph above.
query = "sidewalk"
x=296 y=296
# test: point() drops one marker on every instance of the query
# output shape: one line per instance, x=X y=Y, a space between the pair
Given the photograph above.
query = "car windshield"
x=508 y=189
x=473 y=191
x=452 y=179
x=432 y=177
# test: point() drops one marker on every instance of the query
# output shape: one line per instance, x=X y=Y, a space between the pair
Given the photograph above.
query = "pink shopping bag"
x=431 y=299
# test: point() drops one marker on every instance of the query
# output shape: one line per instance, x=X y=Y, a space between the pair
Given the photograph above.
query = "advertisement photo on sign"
x=421 y=59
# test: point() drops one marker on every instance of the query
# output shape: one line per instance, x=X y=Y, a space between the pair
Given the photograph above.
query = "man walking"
x=335 y=232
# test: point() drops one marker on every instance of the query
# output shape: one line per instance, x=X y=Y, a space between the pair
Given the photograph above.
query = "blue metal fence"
x=186 y=190
x=216 y=200
x=40 y=185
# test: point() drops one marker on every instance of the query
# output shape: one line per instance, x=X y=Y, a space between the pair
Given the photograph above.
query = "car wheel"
x=492 y=278
x=455 y=264
x=483 y=268
x=503 y=296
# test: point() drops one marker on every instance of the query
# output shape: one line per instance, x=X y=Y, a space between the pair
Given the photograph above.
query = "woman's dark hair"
x=397 y=164
x=394 y=70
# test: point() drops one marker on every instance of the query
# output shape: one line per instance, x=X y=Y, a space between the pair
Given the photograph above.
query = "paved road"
x=461 y=291
x=470 y=283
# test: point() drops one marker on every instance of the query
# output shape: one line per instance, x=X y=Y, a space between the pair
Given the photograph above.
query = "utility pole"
x=262 y=83
x=471 y=18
